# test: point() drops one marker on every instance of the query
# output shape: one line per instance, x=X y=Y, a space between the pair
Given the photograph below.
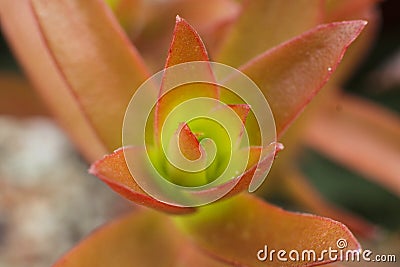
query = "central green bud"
x=206 y=155
x=197 y=140
x=206 y=127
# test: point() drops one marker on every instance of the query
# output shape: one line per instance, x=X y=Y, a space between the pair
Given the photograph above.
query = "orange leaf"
x=237 y=229
x=97 y=62
x=264 y=24
x=255 y=167
x=242 y=110
x=188 y=143
x=20 y=27
x=186 y=46
x=291 y=74
x=112 y=170
x=141 y=238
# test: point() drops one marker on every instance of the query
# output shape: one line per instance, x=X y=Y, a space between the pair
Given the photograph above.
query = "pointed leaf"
x=186 y=46
x=96 y=60
x=141 y=238
x=291 y=74
x=20 y=27
x=188 y=143
x=184 y=147
x=112 y=170
x=242 y=110
x=237 y=229
x=264 y=24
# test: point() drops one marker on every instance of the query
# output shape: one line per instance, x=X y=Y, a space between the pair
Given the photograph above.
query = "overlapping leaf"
x=20 y=26
x=287 y=65
x=186 y=46
x=142 y=238
x=237 y=229
x=112 y=170
x=291 y=74
x=94 y=63
x=98 y=65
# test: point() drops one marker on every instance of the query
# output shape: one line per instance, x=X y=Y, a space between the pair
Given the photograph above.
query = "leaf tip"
x=178 y=19
x=358 y=24
x=279 y=147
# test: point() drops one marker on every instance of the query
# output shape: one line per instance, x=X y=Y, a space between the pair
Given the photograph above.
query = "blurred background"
x=48 y=202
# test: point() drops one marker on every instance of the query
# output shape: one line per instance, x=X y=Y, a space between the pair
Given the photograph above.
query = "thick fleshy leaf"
x=291 y=74
x=142 y=238
x=188 y=143
x=237 y=229
x=186 y=46
x=20 y=26
x=306 y=196
x=189 y=147
x=255 y=164
x=362 y=137
x=129 y=241
x=96 y=60
x=264 y=24
x=112 y=170
x=255 y=167
x=242 y=110
x=191 y=256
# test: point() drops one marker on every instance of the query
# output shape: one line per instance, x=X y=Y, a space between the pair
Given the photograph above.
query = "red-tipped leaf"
x=112 y=170
x=291 y=74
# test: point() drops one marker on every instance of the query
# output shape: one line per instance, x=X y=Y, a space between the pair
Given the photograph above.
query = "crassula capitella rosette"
x=98 y=85
x=198 y=128
x=158 y=149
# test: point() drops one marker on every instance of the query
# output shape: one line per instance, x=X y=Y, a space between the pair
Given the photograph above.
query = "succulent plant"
x=87 y=70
